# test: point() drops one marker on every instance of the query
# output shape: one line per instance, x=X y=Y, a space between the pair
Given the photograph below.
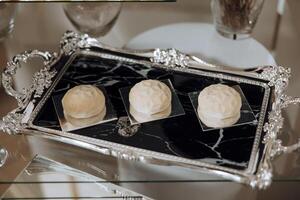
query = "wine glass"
x=95 y=19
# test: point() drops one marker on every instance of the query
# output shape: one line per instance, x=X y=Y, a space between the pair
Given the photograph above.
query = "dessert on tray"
x=84 y=105
x=219 y=106
x=149 y=100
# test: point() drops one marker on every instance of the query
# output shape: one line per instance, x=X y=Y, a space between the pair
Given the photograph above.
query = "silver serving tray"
x=274 y=79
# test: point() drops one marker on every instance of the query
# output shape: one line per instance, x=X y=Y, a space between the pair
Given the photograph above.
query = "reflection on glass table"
x=158 y=182
x=3 y=156
x=44 y=178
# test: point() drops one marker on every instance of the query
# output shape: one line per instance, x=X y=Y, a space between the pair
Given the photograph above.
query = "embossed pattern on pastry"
x=142 y=117
x=83 y=101
x=86 y=121
x=150 y=97
x=219 y=106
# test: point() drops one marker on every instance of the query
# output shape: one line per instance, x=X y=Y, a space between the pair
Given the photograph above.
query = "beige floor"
x=287 y=54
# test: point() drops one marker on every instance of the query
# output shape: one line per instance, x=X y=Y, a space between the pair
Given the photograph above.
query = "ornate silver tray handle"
x=15 y=122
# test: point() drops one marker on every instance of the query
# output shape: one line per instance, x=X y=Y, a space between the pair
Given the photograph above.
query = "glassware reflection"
x=7 y=18
x=3 y=156
x=48 y=179
x=95 y=19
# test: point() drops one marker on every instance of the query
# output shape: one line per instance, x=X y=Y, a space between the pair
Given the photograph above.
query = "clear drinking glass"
x=236 y=18
x=95 y=19
x=7 y=18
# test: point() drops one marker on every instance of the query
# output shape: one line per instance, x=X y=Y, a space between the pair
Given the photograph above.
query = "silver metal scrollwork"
x=72 y=41
x=12 y=122
x=278 y=77
x=125 y=129
x=170 y=57
x=263 y=177
x=41 y=79
x=277 y=147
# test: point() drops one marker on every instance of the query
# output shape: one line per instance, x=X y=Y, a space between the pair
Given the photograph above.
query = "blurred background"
x=40 y=25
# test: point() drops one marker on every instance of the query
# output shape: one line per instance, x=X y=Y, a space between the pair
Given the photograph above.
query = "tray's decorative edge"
x=40 y=79
x=173 y=58
x=277 y=77
x=71 y=42
x=16 y=120
x=13 y=122
x=170 y=57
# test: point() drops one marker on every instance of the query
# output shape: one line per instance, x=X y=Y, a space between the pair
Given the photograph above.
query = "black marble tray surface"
x=179 y=136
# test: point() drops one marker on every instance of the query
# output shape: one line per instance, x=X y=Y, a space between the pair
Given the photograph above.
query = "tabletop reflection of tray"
x=42 y=171
x=241 y=153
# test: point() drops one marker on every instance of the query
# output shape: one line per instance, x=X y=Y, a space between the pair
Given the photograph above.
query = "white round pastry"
x=217 y=122
x=141 y=117
x=86 y=121
x=150 y=97
x=83 y=101
x=219 y=106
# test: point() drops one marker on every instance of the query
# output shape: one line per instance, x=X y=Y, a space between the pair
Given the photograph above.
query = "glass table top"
x=150 y=180
x=42 y=178
x=158 y=182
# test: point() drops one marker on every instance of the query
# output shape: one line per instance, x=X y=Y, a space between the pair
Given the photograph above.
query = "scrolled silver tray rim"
x=20 y=119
